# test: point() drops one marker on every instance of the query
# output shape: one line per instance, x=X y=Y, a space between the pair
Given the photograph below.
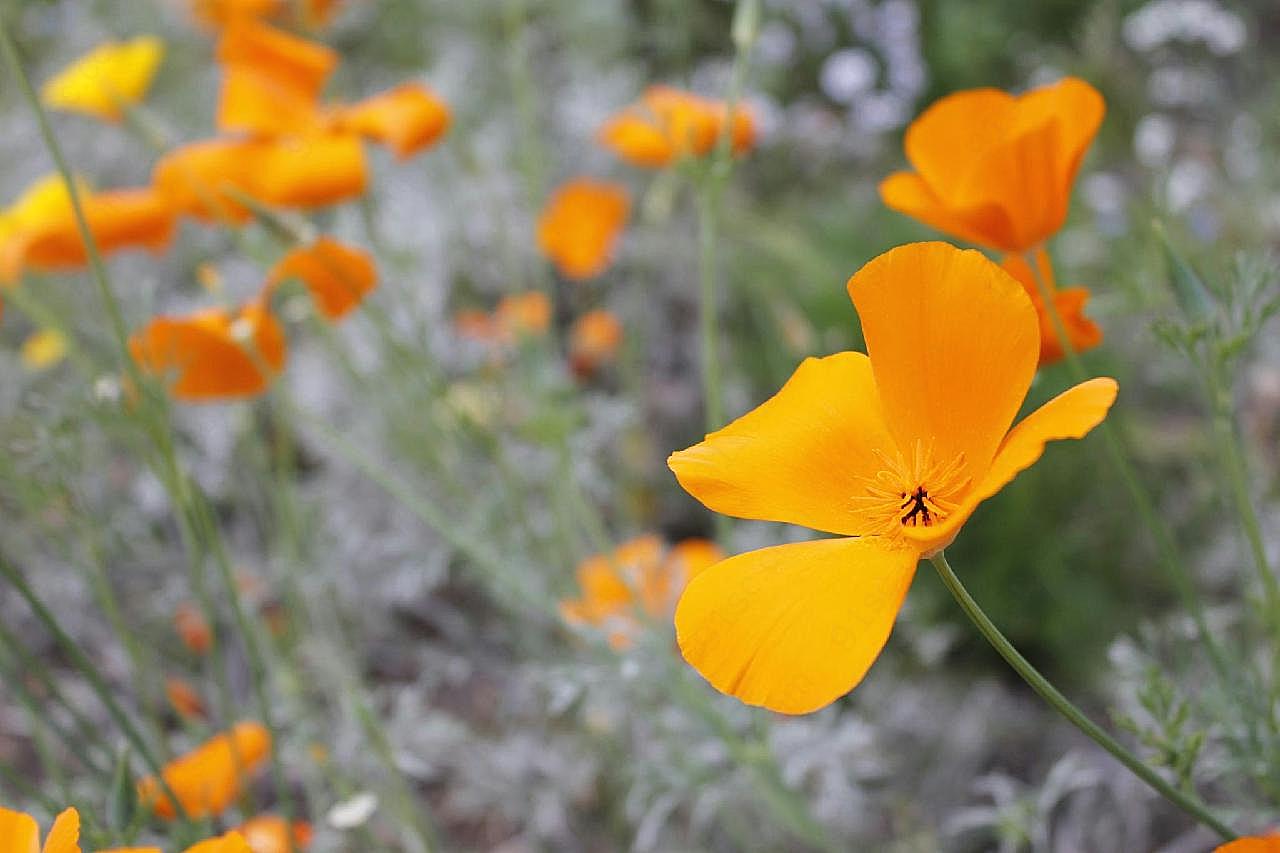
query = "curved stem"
x=1112 y=435
x=1188 y=803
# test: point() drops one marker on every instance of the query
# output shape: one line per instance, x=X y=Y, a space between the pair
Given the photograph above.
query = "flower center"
x=914 y=490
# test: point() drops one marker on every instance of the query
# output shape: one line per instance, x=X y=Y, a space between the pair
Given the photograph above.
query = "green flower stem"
x=1188 y=803
x=710 y=188
x=1233 y=461
x=96 y=682
x=1112 y=435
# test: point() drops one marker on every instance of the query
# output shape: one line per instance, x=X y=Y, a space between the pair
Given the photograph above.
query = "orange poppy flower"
x=19 y=833
x=593 y=340
x=273 y=834
x=1253 y=844
x=580 y=224
x=211 y=777
x=522 y=315
x=1082 y=332
x=996 y=169
x=220 y=13
x=641 y=576
x=216 y=14
x=106 y=79
x=271 y=79
x=338 y=276
x=406 y=119
x=213 y=354
x=891 y=451
x=39 y=230
x=184 y=699
x=192 y=628
x=669 y=124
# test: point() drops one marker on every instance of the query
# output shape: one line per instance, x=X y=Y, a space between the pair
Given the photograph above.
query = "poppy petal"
x=799 y=457
x=794 y=627
x=1075 y=109
x=907 y=193
x=232 y=842
x=20 y=831
x=1071 y=414
x=947 y=386
x=337 y=276
x=64 y=836
x=406 y=119
x=945 y=142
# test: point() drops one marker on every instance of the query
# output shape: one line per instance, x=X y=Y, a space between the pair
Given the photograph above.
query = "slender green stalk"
x=91 y=674
x=710 y=189
x=1237 y=476
x=1189 y=804
x=1170 y=554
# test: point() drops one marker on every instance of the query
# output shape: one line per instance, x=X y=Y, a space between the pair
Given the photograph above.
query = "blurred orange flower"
x=213 y=354
x=107 y=79
x=312 y=14
x=338 y=276
x=669 y=124
x=580 y=224
x=890 y=451
x=518 y=317
x=273 y=834
x=184 y=699
x=271 y=79
x=522 y=315
x=406 y=119
x=192 y=628
x=200 y=179
x=19 y=833
x=211 y=777
x=593 y=340
x=640 y=578
x=1082 y=332
x=997 y=169
x=39 y=229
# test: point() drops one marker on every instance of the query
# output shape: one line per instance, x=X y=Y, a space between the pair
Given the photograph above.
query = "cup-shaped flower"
x=210 y=777
x=580 y=224
x=997 y=169
x=106 y=80
x=1082 y=333
x=892 y=451
x=641 y=578
x=19 y=833
x=312 y=14
x=337 y=276
x=213 y=354
x=668 y=125
x=594 y=339
x=406 y=119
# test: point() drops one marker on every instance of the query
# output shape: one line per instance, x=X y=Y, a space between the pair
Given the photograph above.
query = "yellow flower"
x=106 y=79
x=43 y=349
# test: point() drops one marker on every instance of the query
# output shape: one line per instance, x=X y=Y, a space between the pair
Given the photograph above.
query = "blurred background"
x=499 y=725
